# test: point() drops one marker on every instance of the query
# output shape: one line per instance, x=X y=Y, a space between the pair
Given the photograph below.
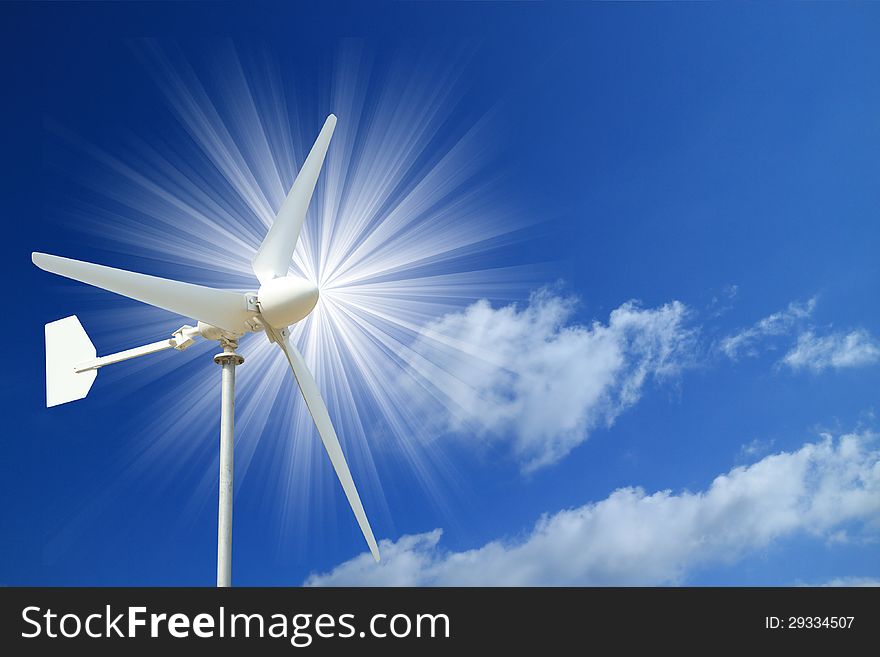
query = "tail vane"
x=67 y=344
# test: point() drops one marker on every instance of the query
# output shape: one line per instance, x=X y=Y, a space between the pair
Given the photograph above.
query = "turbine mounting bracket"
x=228 y=356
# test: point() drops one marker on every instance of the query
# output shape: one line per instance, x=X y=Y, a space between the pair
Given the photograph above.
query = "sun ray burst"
x=402 y=208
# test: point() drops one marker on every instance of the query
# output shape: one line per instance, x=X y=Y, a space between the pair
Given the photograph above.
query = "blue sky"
x=651 y=236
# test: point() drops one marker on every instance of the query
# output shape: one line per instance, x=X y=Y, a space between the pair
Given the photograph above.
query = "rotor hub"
x=286 y=300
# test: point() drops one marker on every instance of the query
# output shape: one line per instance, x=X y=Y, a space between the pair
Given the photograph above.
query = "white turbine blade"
x=224 y=309
x=318 y=409
x=274 y=255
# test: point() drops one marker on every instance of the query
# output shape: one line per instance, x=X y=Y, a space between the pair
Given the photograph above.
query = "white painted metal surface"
x=226 y=309
x=67 y=344
x=274 y=255
x=287 y=300
x=228 y=360
x=318 y=410
x=182 y=339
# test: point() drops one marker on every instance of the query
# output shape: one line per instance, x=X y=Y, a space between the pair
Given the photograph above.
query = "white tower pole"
x=228 y=361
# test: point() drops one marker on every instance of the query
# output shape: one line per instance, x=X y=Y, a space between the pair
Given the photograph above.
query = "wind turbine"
x=224 y=316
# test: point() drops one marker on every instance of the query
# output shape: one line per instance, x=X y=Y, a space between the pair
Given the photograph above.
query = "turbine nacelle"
x=286 y=300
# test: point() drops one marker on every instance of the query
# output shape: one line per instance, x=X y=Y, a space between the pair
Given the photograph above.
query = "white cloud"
x=722 y=303
x=780 y=323
x=527 y=375
x=756 y=448
x=633 y=538
x=814 y=352
x=837 y=350
x=853 y=581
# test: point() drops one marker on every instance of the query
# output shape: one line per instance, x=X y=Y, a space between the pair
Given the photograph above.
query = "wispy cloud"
x=755 y=448
x=748 y=342
x=812 y=351
x=852 y=581
x=837 y=350
x=723 y=301
x=531 y=376
x=633 y=538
